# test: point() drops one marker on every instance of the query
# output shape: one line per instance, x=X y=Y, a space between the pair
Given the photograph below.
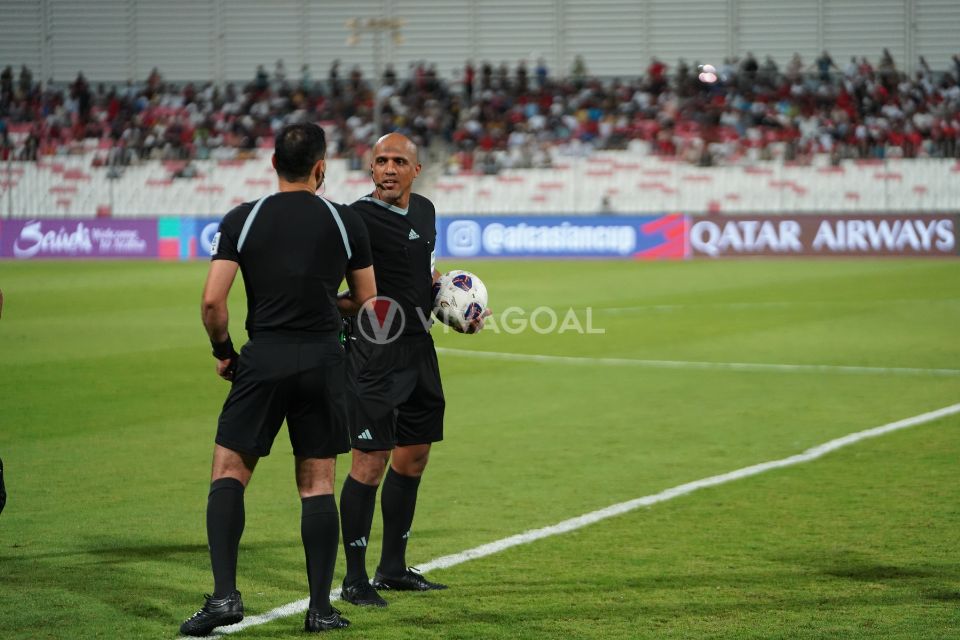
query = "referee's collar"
x=385 y=205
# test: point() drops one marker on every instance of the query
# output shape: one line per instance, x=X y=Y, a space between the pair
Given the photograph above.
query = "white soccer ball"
x=462 y=297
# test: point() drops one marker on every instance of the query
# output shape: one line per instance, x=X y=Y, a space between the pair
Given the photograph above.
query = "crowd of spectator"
x=497 y=116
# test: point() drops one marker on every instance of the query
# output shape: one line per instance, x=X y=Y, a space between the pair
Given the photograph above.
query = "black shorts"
x=396 y=393
x=280 y=377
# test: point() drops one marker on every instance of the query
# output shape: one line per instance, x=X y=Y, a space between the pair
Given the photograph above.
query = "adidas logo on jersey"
x=359 y=542
x=413 y=235
x=365 y=435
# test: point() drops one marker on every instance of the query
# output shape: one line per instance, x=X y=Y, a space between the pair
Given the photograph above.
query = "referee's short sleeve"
x=225 y=241
x=358 y=238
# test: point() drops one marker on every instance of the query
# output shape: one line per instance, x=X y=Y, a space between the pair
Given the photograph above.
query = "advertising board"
x=823 y=235
x=632 y=237
x=39 y=238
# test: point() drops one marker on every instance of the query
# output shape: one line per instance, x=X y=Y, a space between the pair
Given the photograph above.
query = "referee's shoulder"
x=421 y=202
x=239 y=212
x=362 y=204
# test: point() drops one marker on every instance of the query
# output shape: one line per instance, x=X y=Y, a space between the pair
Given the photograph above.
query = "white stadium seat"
x=612 y=182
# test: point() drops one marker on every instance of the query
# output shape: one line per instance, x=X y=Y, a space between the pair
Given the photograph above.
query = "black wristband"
x=223 y=350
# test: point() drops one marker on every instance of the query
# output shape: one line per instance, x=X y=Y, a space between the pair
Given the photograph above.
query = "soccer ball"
x=461 y=297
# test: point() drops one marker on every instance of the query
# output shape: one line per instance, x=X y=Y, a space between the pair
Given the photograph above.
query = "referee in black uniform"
x=394 y=377
x=294 y=249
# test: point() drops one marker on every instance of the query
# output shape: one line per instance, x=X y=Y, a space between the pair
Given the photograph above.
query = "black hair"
x=297 y=148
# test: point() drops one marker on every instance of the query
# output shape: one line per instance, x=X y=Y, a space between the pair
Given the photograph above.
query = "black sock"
x=225 y=518
x=3 y=491
x=398 y=500
x=320 y=532
x=357 y=504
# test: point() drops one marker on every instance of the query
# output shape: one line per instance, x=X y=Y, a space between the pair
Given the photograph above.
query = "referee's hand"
x=476 y=325
x=226 y=368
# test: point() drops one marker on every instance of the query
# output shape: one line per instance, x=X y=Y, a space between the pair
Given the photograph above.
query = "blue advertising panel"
x=204 y=230
x=631 y=237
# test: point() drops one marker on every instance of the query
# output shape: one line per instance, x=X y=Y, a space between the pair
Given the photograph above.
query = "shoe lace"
x=334 y=612
x=206 y=603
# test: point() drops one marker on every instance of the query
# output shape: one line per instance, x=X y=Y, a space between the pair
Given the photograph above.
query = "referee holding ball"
x=394 y=377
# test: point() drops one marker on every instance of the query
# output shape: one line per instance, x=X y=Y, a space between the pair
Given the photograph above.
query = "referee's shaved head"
x=393 y=168
x=396 y=142
x=297 y=148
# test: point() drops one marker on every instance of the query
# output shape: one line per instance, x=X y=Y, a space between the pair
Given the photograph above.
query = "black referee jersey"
x=403 y=242
x=293 y=249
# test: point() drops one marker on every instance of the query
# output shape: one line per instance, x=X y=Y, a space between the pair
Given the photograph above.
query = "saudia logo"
x=33 y=240
x=381 y=320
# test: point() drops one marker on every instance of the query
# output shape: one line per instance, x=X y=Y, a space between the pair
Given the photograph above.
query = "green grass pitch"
x=108 y=405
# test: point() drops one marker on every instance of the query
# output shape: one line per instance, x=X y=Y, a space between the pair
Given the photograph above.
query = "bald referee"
x=394 y=378
x=293 y=249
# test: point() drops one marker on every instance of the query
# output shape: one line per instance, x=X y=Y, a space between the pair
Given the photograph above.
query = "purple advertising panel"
x=91 y=238
x=823 y=235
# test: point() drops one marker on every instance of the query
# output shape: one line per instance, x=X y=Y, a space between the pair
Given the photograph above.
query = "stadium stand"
x=864 y=138
x=608 y=182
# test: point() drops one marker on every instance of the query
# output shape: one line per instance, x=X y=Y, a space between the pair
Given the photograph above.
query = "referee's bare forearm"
x=347 y=304
x=362 y=287
x=215 y=320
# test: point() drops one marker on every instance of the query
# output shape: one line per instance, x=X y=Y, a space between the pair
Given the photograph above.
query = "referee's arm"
x=363 y=287
x=213 y=311
x=214 y=307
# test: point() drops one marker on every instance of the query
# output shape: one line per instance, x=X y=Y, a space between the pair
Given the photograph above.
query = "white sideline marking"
x=768 y=305
x=586 y=519
x=686 y=364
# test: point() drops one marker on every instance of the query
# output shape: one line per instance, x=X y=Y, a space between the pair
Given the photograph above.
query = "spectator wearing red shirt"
x=656 y=72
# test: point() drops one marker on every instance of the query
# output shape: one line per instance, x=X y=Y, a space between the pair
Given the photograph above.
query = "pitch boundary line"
x=593 y=517
x=772 y=304
x=752 y=367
